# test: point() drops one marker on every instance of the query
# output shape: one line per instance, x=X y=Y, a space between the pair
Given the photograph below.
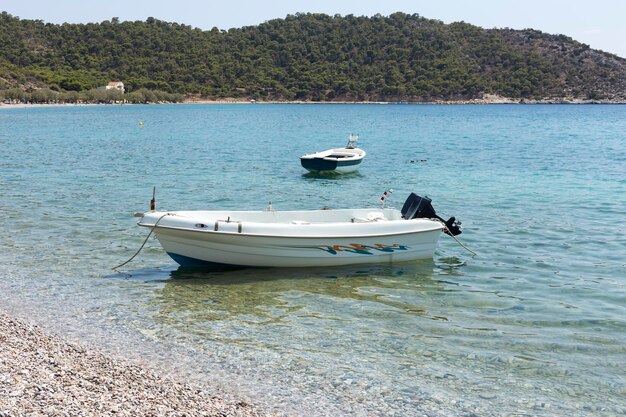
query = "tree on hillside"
x=306 y=56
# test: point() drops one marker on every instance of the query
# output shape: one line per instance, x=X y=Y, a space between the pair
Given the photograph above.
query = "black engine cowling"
x=420 y=207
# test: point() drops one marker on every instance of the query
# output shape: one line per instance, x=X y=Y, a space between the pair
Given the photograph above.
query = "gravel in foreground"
x=42 y=375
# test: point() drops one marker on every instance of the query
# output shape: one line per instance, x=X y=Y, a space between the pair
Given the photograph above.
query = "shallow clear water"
x=535 y=324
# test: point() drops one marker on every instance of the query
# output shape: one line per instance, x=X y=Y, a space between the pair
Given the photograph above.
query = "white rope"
x=144 y=242
x=458 y=241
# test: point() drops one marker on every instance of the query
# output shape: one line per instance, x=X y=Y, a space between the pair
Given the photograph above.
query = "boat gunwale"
x=359 y=154
x=229 y=233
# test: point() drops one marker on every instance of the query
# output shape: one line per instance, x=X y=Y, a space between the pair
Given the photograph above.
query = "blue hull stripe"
x=196 y=263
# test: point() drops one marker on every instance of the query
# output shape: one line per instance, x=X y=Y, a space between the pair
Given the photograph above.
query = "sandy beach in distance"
x=41 y=374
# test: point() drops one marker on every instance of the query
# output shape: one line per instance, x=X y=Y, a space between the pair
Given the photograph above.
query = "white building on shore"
x=113 y=85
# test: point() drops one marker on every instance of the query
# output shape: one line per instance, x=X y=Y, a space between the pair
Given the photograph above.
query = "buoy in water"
x=140 y=123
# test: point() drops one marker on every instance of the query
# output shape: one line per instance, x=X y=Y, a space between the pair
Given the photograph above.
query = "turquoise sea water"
x=533 y=325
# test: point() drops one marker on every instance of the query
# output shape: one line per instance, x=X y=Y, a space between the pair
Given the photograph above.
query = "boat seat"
x=373 y=216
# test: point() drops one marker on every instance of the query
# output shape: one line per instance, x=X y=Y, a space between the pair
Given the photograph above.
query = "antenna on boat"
x=384 y=197
x=153 y=201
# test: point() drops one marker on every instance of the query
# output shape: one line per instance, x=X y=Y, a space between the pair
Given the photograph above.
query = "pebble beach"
x=44 y=375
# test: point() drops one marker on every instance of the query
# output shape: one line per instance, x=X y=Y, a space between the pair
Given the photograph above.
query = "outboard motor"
x=420 y=207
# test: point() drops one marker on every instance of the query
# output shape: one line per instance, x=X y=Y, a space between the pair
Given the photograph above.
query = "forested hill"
x=309 y=57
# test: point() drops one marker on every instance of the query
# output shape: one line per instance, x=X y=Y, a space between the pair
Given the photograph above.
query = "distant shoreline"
x=451 y=102
x=485 y=100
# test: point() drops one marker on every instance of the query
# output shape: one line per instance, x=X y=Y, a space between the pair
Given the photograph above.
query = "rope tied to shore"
x=144 y=242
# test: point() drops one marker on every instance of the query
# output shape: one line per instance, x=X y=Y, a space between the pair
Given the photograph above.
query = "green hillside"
x=308 y=57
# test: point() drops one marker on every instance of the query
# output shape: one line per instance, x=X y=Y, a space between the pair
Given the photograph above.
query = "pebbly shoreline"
x=43 y=375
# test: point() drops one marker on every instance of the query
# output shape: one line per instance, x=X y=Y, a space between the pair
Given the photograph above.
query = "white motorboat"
x=337 y=160
x=304 y=238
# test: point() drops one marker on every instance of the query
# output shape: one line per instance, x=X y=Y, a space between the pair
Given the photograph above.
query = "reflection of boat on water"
x=235 y=276
x=305 y=238
x=264 y=293
x=336 y=160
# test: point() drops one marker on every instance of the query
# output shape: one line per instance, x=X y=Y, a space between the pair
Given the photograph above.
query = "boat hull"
x=304 y=246
x=339 y=161
x=329 y=165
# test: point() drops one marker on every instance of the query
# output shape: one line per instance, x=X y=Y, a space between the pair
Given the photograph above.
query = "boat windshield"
x=352 y=141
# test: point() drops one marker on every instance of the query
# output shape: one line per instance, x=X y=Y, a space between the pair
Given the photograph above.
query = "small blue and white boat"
x=337 y=160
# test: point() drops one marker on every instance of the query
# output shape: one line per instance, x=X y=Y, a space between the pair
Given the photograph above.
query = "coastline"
x=486 y=99
x=42 y=374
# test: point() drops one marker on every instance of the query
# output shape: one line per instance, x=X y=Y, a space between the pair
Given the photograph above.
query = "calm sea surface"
x=533 y=325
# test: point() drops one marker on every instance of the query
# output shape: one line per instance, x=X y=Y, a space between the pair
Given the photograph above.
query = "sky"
x=600 y=24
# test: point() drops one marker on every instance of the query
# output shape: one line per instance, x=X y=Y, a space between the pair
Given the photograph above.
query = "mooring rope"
x=458 y=241
x=144 y=242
